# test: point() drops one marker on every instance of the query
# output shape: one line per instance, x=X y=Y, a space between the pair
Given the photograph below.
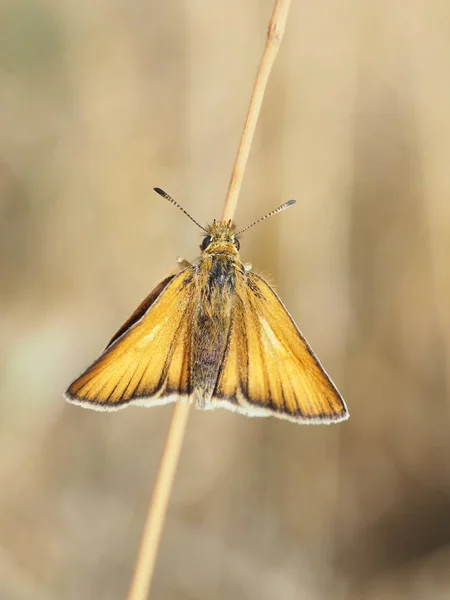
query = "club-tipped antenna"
x=170 y=199
x=273 y=212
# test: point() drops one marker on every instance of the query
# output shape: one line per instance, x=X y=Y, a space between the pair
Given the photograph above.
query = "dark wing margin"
x=141 y=309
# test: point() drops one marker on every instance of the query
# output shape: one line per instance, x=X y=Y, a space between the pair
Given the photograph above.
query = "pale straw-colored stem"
x=151 y=536
x=157 y=509
x=275 y=33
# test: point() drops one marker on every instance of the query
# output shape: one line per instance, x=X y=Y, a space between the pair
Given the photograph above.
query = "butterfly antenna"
x=273 y=212
x=170 y=199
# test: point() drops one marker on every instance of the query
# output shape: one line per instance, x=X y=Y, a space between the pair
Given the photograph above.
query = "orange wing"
x=269 y=369
x=148 y=360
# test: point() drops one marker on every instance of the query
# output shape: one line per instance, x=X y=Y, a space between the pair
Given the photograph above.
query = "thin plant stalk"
x=275 y=34
x=151 y=536
x=157 y=509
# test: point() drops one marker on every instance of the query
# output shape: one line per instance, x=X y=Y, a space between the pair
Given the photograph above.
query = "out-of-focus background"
x=99 y=103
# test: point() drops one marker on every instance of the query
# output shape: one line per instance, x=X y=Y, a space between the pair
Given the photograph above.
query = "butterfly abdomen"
x=211 y=326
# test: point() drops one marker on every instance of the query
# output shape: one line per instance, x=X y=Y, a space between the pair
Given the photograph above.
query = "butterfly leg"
x=183 y=263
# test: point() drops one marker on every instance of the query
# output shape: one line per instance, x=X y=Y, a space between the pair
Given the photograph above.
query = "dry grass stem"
x=158 y=505
x=275 y=34
x=151 y=536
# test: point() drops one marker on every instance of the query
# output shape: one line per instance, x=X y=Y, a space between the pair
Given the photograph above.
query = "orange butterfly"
x=215 y=334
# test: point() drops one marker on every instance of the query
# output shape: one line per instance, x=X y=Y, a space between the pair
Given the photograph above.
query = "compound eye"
x=205 y=243
x=237 y=243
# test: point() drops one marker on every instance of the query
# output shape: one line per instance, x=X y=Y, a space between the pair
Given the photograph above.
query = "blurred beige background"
x=99 y=103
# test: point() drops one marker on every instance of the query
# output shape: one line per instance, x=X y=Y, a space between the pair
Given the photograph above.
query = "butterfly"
x=216 y=335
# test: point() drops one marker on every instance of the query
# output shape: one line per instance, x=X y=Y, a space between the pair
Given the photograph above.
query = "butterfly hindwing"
x=269 y=368
x=148 y=360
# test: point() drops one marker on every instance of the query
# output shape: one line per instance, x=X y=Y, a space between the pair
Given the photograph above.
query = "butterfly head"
x=221 y=237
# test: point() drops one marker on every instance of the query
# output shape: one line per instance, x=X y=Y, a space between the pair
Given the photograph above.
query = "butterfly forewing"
x=148 y=360
x=269 y=367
